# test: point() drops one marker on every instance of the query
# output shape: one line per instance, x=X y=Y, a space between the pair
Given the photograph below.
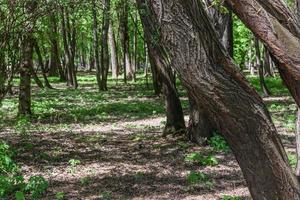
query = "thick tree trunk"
x=200 y=128
x=211 y=77
x=96 y=45
x=175 y=119
x=297 y=171
x=113 y=51
x=260 y=68
x=104 y=51
x=25 y=76
x=282 y=43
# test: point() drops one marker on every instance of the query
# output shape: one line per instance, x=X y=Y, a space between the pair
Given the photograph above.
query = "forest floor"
x=108 y=145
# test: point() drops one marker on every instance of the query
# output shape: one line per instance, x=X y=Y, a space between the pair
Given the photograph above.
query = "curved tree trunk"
x=216 y=83
x=175 y=119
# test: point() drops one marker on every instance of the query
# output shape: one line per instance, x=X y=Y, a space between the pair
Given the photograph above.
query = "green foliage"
x=218 y=143
x=60 y=195
x=226 y=197
x=22 y=125
x=20 y=195
x=36 y=186
x=202 y=160
x=292 y=159
x=12 y=182
x=199 y=177
x=242 y=41
x=107 y=195
x=73 y=164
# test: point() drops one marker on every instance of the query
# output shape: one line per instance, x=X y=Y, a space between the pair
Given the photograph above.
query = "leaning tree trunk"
x=260 y=68
x=278 y=28
x=211 y=77
x=175 y=119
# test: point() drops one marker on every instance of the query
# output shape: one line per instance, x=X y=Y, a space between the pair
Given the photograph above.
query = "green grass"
x=274 y=84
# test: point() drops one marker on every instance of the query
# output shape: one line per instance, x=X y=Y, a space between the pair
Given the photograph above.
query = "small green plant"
x=85 y=181
x=226 y=197
x=60 y=195
x=202 y=160
x=36 y=186
x=292 y=160
x=199 y=177
x=183 y=145
x=218 y=143
x=12 y=182
x=106 y=195
x=73 y=164
x=22 y=125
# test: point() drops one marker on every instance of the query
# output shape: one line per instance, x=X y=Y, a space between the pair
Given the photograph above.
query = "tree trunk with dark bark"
x=55 y=67
x=104 y=46
x=175 y=119
x=260 y=68
x=25 y=76
x=41 y=64
x=211 y=77
x=128 y=71
x=96 y=45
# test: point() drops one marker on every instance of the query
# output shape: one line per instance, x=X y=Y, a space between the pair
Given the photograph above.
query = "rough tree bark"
x=175 y=119
x=216 y=83
x=25 y=76
x=278 y=28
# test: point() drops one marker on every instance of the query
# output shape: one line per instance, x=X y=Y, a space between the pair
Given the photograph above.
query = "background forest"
x=125 y=99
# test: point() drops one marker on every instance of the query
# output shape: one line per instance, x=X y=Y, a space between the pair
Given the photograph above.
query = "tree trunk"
x=96 y=45
x=113 y=51
x=55 y=65
x=128 y=72
x=267 y=63
x=200 y=128
x=260 y=68
x=157 y=85
x=25 y=76
x=41 y=64
x=104 y=51
x=211 y=77
x=175 y=119
x=282 y=43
